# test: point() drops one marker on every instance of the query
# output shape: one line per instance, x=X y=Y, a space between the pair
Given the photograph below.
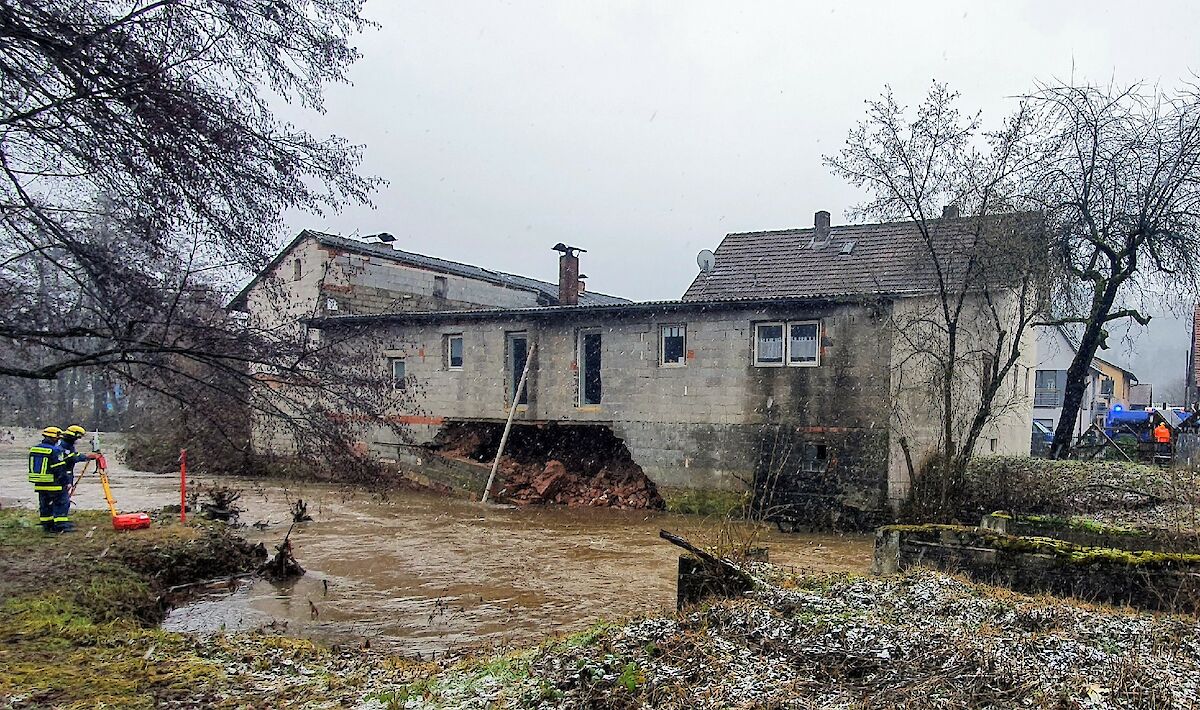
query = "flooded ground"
x=424 y=574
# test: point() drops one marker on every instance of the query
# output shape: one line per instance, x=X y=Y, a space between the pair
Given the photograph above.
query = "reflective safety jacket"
x=45 y=460
x=64 y=470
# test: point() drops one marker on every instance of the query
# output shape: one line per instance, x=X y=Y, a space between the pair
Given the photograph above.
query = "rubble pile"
x=615 y=485
x=564 y=464
x=919 y=640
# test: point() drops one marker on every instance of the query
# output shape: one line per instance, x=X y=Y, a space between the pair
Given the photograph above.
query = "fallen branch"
x=209 y=583
x=711 y=560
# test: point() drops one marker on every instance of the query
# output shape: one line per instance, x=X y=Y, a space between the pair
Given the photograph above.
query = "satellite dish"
x=706 y=261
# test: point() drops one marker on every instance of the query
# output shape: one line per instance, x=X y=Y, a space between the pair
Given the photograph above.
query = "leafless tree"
x=1119 y=184
x=142 y=173
x=964 y=326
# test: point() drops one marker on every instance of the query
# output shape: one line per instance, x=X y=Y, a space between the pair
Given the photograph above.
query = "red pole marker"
x=183 y=486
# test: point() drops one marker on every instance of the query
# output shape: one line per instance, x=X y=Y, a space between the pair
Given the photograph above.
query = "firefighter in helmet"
x=66 y=473
x=44 y=458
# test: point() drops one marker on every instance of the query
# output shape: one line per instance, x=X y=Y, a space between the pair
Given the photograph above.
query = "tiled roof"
x=860 y=259
x=549 y=290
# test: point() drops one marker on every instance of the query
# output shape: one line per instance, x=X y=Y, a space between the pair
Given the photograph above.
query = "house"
x=778 y=362
x=319 y=274
x=1108 y=385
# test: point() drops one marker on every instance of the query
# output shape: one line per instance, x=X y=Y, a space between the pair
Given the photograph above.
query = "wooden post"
x=487 y=490
x=183 y=486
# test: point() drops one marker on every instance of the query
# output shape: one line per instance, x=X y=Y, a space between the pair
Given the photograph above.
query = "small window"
x=454 y=352
x=440 y=287
x=673 y=345
x=768 y=344
x=816 y=458
x=297 y=270
x=398 y=373
x=802 y=344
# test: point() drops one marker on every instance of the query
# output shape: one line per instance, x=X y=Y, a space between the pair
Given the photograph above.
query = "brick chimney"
x=950 y=212
x=821 y=227
x=568 y=274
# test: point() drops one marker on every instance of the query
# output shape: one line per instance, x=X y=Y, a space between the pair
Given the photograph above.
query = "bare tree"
x=1119 y=183
x=142 y=173
x=962 y=330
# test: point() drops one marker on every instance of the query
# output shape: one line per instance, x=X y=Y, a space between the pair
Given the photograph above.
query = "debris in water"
x=300 y=512
x=283 y=565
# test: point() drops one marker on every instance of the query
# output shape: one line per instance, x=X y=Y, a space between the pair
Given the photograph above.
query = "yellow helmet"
x=75 y=431
x=51 y=432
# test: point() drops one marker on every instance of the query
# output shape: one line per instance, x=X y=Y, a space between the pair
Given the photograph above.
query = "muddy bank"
x=562 y=464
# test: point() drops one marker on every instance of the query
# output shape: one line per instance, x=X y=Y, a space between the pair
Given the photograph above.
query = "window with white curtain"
x=790 y=343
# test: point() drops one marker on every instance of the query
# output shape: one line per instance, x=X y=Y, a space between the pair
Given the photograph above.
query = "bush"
x=1032 y=485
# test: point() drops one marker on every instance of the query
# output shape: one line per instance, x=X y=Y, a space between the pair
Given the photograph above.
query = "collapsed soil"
x=572 y=466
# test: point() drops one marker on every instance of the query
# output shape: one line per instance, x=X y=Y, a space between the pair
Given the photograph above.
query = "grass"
x=706 y=502
x=77 y=620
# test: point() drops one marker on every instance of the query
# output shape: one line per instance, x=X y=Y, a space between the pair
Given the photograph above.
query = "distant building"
x=1107 y=385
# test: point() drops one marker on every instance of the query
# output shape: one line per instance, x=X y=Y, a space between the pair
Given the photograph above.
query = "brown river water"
x=422 y=574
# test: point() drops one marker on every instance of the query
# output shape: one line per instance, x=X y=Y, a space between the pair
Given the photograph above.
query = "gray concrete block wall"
x=375 y=284
x=693 y=426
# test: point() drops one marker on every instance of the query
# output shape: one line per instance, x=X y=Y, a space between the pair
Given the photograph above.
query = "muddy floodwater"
x=423 y=574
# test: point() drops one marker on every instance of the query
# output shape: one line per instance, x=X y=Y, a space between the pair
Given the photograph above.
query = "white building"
x=1108 y=385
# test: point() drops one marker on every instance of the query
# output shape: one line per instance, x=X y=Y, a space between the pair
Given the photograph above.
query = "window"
x=802 y=344
x=454 y=352
x=673 y=345
x=1048 y=388
x=590 y=386
x=1106 y=386
x=440 y=287
x=297 y=270
x=768 y=344
x=800 y=348
x=518 y=355
x=398 y=373
x=816 y=458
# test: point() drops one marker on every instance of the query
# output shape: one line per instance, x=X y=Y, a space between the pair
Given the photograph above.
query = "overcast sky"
x=644 y=132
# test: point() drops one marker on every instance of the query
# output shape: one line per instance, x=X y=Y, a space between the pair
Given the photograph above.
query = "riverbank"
x=804 y=640
x=922 y=639
x=78 y=626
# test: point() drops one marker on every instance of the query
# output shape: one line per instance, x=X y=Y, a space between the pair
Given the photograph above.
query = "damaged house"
x=777 y=371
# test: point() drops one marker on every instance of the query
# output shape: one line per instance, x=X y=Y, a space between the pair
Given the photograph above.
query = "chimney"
x=950 y=212
x=568 y=274
x=821 y=227
x=583 y=283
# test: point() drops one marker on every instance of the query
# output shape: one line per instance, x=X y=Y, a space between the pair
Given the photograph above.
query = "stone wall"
x=1145 y=579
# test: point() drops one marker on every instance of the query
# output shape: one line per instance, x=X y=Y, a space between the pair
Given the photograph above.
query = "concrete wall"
x=376 y=284
x=705 y=424
x=917 y=400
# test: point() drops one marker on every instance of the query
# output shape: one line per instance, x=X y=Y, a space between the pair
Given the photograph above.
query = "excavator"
x=121 y=521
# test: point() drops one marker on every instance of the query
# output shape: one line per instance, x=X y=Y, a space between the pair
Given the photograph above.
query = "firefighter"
x=42 y=459
x=64 y=473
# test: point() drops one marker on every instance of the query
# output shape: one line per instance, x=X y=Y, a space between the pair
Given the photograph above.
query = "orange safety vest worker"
x=1162 y=434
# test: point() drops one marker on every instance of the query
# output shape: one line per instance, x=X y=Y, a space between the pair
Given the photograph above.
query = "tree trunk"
x=1089 y=343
